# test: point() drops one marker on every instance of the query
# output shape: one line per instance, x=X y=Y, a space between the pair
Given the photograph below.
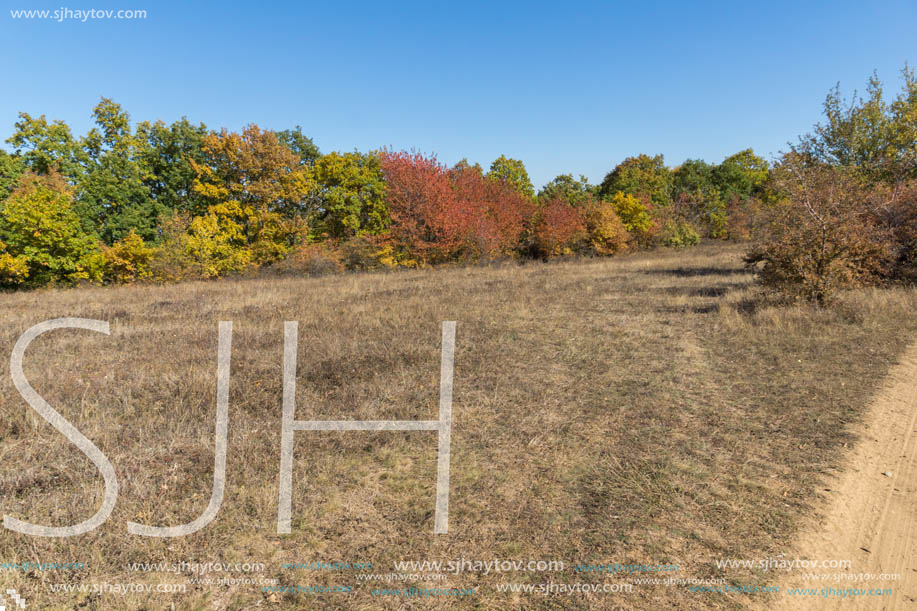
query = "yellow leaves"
x=606 y=231
x=129 y=259
x=13 y=270
x=256 y=187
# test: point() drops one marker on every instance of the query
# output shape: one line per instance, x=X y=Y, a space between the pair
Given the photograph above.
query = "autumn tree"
x=41 y=238
x=426 y=223
x=257 y=191
x=636 y=215
x=492 y=214
x=824 y=235
x=605 y=233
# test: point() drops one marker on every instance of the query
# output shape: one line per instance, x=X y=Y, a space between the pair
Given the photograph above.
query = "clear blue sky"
x=566 y=87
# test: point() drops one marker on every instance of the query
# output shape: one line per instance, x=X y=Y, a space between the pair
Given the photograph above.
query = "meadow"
x=648 y=409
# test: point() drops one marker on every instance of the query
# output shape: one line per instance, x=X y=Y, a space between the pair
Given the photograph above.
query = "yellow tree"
x=258 y=194
x=41 y=238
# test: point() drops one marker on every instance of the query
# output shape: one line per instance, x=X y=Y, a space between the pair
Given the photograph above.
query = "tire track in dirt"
x=870 y=515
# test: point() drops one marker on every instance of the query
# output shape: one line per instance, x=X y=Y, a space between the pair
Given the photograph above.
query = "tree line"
x=158 y=201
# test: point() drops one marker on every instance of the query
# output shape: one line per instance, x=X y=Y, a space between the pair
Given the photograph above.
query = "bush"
x=360 y=254
x=899 y=219
x=679 y=234
x=14 y=269
x=824 y=236
x=128 y=260
x=205 y=246
x=744 y=217
x=316 y=259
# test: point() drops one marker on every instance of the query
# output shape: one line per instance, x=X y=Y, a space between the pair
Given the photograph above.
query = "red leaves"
x=440 y=214
x=494 y=214
x=421 y=204
x=559 y=225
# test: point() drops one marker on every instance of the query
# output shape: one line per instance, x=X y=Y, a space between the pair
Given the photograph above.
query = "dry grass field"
x=646 y=409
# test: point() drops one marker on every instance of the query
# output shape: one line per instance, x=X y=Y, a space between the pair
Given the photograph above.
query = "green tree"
x=567 y=188
x=512 y=172
x=639 y=176
x=41 y=238
x=11 y=168
x=301 y=145
x=166 y=154
x=903 y=128
x=692 y=176
x=855 y=132
x=112 y=195
x=43 y=146
x=350 y=195
x=876 y=138
x=741 y=175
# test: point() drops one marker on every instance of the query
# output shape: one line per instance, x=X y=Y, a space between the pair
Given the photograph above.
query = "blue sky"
x=566 y=87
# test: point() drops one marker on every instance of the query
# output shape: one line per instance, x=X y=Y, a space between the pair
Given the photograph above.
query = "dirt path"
x=872 y=506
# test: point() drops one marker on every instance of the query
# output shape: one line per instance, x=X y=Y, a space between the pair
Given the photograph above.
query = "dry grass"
x=640 y=409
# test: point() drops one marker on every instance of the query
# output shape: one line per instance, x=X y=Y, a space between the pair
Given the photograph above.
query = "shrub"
x=128 y=260
x=899 y=217
x=205 y=246
x=14 y=269
x=316 y=259
x=743 y=217
x=823 y=237
x=360 y=254
x=678 y=234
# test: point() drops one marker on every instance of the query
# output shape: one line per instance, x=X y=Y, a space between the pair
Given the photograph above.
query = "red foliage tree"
x=425 y=219
x=558 y=225
x=493 y=215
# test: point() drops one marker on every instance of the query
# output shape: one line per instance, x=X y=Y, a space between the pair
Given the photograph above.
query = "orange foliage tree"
x=557 y=227
x=493 y=215
x=426 y=223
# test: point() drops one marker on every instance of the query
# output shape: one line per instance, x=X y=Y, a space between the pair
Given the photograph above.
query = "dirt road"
x=870 y=512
